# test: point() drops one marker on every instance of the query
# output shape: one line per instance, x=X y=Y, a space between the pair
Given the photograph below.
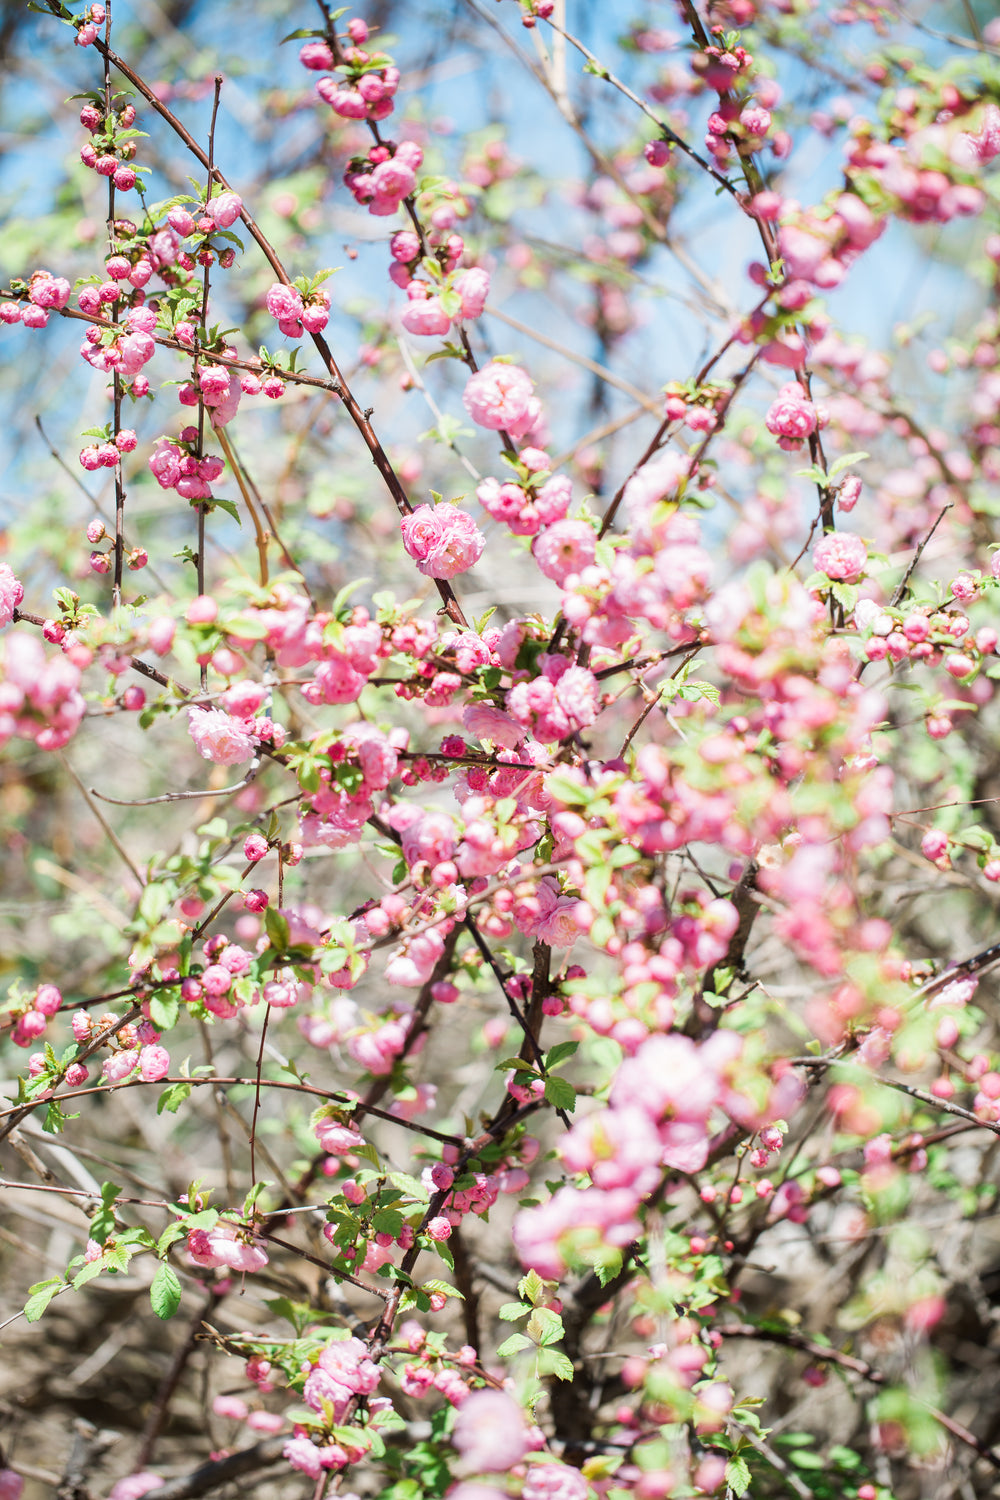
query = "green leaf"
x=554 y=1362
x=164 y=1008
x=802 y=1458
x=531 y=1287
x=514 y=1345
x=387 y=1221
x=229 y=506
x=845 y=462
x=738 y=1475
x=845 y=594
x=165 y=1291
x=90 y=1270
x=411 y=1186
x=172 y=1098
x=154 y=902
x=560 y=1094
x=170 y=1235
x=40 y=1295
x=511 y=1311
x=559 y=1053
x=277 y=929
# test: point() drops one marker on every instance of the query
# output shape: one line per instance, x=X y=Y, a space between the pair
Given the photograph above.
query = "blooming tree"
x=488 y=1003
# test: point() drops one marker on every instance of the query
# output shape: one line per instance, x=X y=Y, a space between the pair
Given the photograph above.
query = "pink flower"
x=473 y=287
x=283 y=302
x=425 y=317
x=554 y=1482
x=337 y=1138
x=792 y=417
x=490 y=1433
x=840 y=555
x=442 y=540
x=497 y=396
x=154 y=1063
x=565 y=548
x=489 y=723
x=219 y=737
x=225 y=209
x=133 y=1486
x=303 y=1455
x=11 y=593
x=46 y=290
x=226 y=1246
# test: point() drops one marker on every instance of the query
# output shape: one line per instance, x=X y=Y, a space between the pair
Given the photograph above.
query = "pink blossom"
x=425 y=317
x=792 y=417
x=565 y=548
x=840 y=555
x=49 y=291
x=154 y=1063
x=303 y=1455
x=490 y=1433
x=489 y=723
x=219 y=737
x=497 y=396
x=11 y=593
x=554 y=1482
x=132 y=1487
x=225 y=209
x=336 y=1137
x=442 y=539
x=283 y=302
x=225 y=1245
x=473 y=288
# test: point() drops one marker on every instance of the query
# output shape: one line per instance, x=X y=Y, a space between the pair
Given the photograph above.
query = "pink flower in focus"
x=565 y=548
x=841 y=556
x=225 y=209
x=219 y=737
x=497 y=396
x=442 y=540
x=473 y=287
x=489 y=723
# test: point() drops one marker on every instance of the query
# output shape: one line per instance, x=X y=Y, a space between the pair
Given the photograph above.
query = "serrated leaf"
x=554 y=1362
x=172 y=1098
x=40 y=1295
x=90 y=1270
x=164 y=1008
x=511 y=1311
x=560 y=1094
x=411 y=1186
x=514 y=1345
x=559 y=1053
x=738 y=1475
x=165 y=1291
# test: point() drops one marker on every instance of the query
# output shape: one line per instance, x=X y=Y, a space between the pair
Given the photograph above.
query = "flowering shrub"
x=477 y=876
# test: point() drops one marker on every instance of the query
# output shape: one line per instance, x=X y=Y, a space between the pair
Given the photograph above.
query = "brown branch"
x=223 y=1470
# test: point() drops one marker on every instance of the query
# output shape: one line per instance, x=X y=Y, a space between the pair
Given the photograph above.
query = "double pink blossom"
x=841 y=556
x=498 y=397
x=221 y=738
x=442 y=540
